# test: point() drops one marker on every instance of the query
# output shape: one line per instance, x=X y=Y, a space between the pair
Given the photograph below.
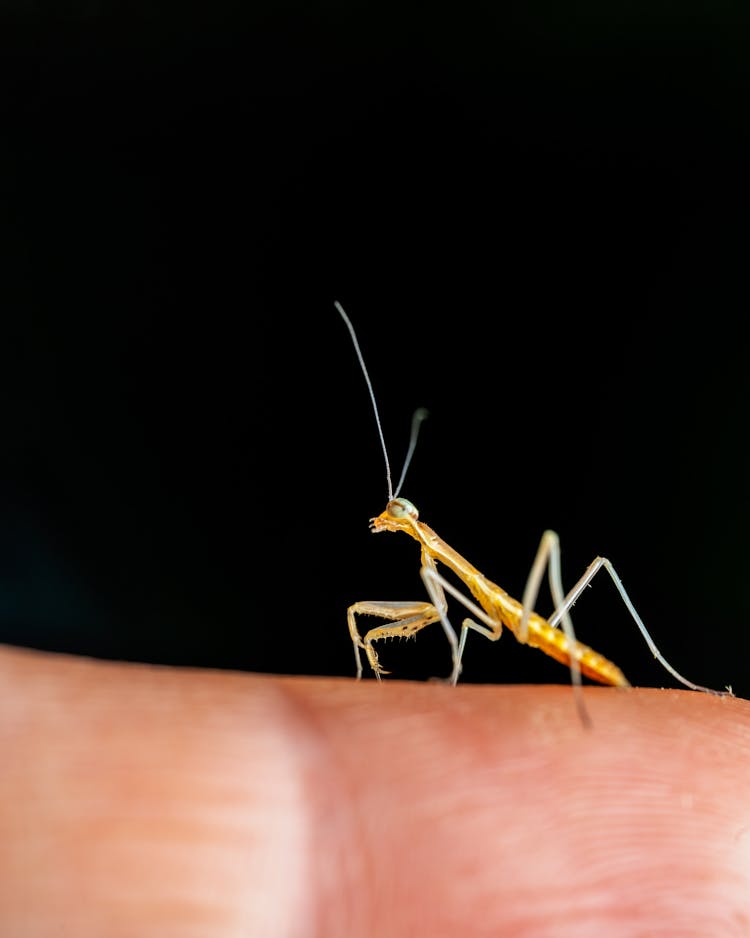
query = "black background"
x=536 y=216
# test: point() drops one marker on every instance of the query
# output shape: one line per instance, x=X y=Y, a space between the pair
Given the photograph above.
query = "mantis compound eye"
x=402 y=508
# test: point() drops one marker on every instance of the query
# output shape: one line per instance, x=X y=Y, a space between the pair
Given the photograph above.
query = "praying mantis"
x=490 y=606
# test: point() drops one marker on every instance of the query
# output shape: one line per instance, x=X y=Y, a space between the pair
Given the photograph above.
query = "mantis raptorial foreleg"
x=408 y=618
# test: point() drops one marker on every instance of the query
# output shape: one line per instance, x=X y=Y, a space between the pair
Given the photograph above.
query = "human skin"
x=143 y=800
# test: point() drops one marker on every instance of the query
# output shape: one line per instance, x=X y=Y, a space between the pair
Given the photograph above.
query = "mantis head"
x=399 y=515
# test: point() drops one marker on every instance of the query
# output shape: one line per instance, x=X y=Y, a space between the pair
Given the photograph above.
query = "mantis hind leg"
x=548 y=557
x=593 y=568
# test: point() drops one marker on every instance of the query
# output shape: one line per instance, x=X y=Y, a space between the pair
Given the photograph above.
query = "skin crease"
x=142 y=800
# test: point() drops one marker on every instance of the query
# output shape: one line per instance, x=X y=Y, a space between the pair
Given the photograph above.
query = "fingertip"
x=492 y=810
x=275 y=806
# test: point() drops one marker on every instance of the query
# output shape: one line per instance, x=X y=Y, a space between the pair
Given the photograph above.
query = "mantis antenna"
x=420 y=414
